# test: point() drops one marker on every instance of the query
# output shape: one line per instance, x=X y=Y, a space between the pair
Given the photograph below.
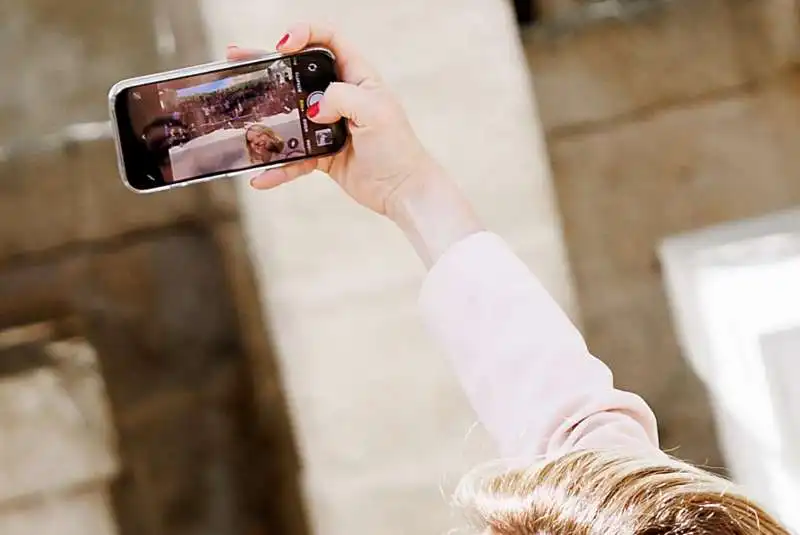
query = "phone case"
x=117 y=88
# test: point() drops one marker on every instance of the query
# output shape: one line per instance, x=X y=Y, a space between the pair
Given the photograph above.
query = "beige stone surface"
x=81 y=514
x=681 y=50
x=56 y=427
x=676 y=171
x=379 y=417
x=277 y=444
x=767 y=35
x=71 y=58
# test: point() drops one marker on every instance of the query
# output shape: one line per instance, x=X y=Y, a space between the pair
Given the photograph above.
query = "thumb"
x=360 y=106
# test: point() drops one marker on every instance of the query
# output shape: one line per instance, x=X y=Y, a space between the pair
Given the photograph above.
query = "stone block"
x=678 y=51
x=687 y=428
x=635 y=339
x=184 y=471
x=557 y=9
x=74 y=514
x=159 y=315
x=624 y=189
x=76 y=196
x=56 y=433
x=41 y=291
x=767 y=35
x=72 y=57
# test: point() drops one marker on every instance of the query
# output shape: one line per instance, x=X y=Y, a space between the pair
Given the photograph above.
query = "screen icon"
x=324 y=137
x=314 y=97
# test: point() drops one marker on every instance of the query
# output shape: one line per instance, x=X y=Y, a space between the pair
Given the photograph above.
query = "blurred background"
x=216 y=360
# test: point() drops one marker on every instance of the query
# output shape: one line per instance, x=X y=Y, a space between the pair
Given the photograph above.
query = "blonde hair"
x=275 y=146
x=600 y=493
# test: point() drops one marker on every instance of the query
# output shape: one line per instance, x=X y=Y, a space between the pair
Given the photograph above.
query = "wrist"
x=432 y=212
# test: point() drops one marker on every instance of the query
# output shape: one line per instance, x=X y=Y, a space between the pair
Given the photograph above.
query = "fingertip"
x=325 y=119
x=295 y=38
x=256 y=183
x=236 y=53
x=268 y=179
x=232 y=51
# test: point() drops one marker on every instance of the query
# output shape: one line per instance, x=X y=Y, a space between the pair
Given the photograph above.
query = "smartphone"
x=222 y=119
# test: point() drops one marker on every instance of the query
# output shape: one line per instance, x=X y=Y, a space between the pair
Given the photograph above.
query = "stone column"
x=380 y=418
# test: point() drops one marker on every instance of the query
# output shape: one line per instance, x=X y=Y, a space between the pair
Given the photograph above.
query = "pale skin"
x=383 y=167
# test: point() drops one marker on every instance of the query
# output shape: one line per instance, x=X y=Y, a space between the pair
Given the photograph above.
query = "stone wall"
x=686 y=116
x=383 y=428
x=160 y=286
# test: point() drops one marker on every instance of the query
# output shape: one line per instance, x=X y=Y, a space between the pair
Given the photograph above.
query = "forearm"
x=521 y=362
x=433 y=213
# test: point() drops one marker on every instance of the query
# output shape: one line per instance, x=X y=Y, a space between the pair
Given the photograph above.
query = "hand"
x=382 y=155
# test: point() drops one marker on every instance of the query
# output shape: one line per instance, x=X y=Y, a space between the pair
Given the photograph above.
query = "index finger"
x=235 y=53
x=354 y=68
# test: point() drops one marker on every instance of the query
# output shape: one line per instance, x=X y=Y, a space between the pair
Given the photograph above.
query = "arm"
x=523 y=365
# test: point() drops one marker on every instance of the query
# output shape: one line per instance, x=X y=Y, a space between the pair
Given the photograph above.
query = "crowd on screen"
x=236 y=106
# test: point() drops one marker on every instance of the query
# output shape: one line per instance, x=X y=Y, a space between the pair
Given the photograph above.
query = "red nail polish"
x=283 y=41
x=313 y=110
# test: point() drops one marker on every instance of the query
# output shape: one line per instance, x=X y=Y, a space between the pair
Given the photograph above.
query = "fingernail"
x=233 y=46
x=313 y=110
x=283 y=41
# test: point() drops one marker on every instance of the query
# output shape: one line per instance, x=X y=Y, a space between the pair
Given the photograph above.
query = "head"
x=262 y=142
x=162 y=134
x=599 y=493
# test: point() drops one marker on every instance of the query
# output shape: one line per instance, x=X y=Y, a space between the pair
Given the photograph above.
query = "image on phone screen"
x=227 y=120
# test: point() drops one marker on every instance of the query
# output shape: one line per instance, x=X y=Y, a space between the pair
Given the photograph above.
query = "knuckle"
x=335 y=92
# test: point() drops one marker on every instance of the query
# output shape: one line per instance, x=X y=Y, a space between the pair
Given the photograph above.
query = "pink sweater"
x=524 y=366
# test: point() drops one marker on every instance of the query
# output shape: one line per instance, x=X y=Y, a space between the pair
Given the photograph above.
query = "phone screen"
x=232 y=119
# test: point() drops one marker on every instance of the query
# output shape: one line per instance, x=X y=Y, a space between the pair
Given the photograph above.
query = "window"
x=734 y=292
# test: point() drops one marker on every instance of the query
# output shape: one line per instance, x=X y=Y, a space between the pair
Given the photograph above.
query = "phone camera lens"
x=315 y=72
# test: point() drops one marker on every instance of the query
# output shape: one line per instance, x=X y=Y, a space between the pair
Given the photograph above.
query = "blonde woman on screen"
x=263 y=143
x=587 y=459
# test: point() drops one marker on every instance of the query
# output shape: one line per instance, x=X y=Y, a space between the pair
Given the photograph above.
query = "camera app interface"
x=233 y=119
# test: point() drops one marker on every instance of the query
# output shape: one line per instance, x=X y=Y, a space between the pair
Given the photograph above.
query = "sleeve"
x=523 y=365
